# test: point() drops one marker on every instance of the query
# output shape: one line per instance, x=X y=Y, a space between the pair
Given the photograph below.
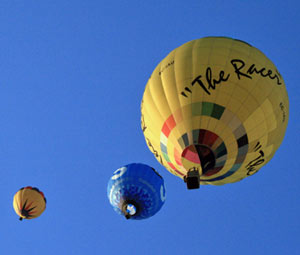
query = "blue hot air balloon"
x=136 y=191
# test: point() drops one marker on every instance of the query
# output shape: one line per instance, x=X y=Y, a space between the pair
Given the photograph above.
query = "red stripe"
x=31 y=213
x=179 y=172
x=171 y=165
x=210 y=138
x=201 y=136
x=28 y=206
x=174 y=168
x=168 y=126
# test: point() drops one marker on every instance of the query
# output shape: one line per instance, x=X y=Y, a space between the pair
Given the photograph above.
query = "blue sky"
x=72 y=75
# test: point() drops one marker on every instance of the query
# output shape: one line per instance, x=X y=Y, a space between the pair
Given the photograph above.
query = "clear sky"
x=72 y=75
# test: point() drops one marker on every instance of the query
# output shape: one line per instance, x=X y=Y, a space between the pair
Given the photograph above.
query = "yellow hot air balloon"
x=29 y=203
x=214 y=111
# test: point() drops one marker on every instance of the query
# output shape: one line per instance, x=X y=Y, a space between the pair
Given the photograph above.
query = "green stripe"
x=217 y=111
x=207 y=108
x=196 y=109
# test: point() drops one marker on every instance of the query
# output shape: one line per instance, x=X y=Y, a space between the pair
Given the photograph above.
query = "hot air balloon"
x=136 y=191
x=29 y=203
x=214 y=111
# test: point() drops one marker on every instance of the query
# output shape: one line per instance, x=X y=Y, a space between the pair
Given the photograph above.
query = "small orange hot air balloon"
x=29 y=203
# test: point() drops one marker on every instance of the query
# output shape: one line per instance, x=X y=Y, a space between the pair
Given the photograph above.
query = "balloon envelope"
x=217 y=105
x=29 y=203
x=136 y=191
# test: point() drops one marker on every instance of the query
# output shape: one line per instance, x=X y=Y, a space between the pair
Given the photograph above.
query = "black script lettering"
x=211 y=83
x=240 y=70
x=166 y=66
x=257 y=146
x=154 y=151
x=143 y=124
x=188 y=90
x=264 y=73
x=251 y=166
x=238 y=65
x=282 y=108
x=199 y=82
x=143 y=118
